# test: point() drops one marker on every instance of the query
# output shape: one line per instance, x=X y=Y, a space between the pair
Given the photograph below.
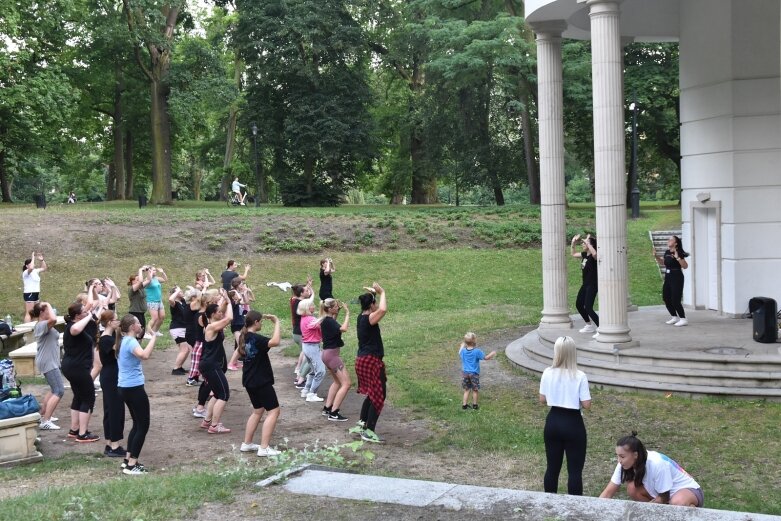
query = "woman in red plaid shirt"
x=368 y=363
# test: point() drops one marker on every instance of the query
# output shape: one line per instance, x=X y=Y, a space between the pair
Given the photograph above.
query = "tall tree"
x=152 y=24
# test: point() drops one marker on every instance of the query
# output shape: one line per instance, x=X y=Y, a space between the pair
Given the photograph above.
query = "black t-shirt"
x=332 y=334
x=296 y=317
x=326 y=285
x=213 y=352
x=257 y=370
x=589 y=267
x=92 y=330
x=190 y=320
x=77 y=349
x=369 y=338
x=227 y=276
x=106 y=351
x=238 y=318
x=670 y=262
x=179 y=315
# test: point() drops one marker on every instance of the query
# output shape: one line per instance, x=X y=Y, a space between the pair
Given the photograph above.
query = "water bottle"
x=8 y=321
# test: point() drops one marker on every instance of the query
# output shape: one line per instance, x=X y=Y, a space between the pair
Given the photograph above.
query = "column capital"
x=602 y=6
x=548 y=29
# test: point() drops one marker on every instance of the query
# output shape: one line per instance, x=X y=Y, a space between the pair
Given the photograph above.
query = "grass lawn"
x=487 y=280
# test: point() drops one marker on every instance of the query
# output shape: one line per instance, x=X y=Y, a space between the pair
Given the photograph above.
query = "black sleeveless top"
x=369 y=338
x=214 y=352
x=77 y=349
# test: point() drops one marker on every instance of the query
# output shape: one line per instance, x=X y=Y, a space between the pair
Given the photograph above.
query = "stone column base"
x=17 y=440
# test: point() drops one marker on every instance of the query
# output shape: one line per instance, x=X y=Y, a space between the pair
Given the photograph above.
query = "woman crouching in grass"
x=258 y=379
x=130 y=382
x=651 y=476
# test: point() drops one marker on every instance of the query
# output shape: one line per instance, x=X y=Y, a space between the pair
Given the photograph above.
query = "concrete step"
x=531 y=354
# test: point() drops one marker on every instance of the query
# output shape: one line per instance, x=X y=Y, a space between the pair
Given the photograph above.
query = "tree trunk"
x=309 y=174
x=424 y=185
x=5 y=186
x=161 y=145
x=527 y=129
x=117 y=134
x=111 y=183
x=129 y=188
x=230 y=141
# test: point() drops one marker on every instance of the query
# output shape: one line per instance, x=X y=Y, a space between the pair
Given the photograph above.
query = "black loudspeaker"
x=763 y=310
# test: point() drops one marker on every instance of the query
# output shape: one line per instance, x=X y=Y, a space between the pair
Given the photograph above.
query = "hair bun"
x=634 y=433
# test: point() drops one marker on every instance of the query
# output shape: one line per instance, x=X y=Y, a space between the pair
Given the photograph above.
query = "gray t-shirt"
x=48 y=355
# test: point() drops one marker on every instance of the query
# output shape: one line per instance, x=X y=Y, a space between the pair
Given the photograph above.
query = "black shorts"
x=263 y=397
x=236 y=329
x=31 y=297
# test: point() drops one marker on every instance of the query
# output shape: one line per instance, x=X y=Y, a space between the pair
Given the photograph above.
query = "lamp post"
x=635 y=194
x=257 y=173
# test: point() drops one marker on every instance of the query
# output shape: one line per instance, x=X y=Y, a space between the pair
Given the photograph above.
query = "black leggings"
x=83 y=388
x=672 y=293
x=138 y=404
x=113 y=406
x=218 y=383
x=565 y=433
x=142 y=319
x=585 y=303
x=369 y=414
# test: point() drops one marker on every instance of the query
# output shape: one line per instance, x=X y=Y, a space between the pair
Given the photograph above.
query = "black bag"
x=5 y=329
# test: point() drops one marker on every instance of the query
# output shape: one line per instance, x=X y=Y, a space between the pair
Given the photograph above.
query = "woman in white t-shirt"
x=565 y=390
x=31 y=280
x=651 y=476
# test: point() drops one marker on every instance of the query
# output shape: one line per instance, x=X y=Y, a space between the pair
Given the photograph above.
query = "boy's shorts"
x=470 y=381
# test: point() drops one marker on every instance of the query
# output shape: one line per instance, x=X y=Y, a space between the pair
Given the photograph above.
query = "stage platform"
x=713 y=355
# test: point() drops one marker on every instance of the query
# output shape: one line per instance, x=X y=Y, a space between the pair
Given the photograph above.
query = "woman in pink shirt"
x=310 y=345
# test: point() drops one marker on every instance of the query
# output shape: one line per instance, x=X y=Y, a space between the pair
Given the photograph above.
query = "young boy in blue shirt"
x=470 y=367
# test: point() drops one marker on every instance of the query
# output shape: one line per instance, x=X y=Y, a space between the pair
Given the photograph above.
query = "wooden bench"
x=24 y=359
x=22 y=335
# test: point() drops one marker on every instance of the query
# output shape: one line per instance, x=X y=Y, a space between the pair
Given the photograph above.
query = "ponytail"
x=124 y=328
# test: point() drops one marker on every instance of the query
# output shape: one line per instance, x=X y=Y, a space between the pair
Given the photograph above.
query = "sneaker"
x=249 y=447
x=53 y=419
x=98 y=388
x=233 y=367
x=304 y=392
x=299 y=385
x=192 y=382
x=672 y=321
x=87 y=437
x=178 y=371
x=326 y=410
x=681 y=322
x=218 y=429
x=158 y=333
x=124 y=464
x=336 y=417
x=588 y=328
x=205 y=424
x=73 y=434
x=475 y=406
x=147 y=336
x=135 y=470
x=268 y=451
x=464 y=407
x=312 y=397
x=48 y=426
x=199 y=414
x=370 y=435
x=119 y=452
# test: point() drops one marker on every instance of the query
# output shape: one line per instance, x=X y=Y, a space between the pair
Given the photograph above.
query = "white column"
x=609 y=170
x=555 y=310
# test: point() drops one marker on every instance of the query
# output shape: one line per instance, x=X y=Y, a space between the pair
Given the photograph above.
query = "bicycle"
x=235 y=200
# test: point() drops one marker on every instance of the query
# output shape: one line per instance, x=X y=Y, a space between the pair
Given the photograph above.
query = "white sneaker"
x=312 y=397
x=49 y=426
x=588 y=328
x=158 y=333
x=672 y=321
x=595 y=335
x=147 y=336
x=268 y=451
x=681 y=322
x=249 y=447
x=304 y=392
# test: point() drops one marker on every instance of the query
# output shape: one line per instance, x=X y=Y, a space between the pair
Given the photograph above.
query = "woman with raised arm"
x=672 y=291
x=332 y=344
x=203 y=279
x=137 y=296
x=218 y=316
x=130 y=382
x=180 y=315
x=31 y=282
x=154 y=298
x=47 y=361
x=369 y=365
x=76 y=364
x=113 y=405
x=587 y=294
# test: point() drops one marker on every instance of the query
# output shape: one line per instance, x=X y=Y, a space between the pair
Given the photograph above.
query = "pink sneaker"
x=233 y=367
x=218 y=429
x=205 y=424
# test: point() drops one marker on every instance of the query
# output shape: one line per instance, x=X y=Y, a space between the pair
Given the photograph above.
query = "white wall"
x=731 y=139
